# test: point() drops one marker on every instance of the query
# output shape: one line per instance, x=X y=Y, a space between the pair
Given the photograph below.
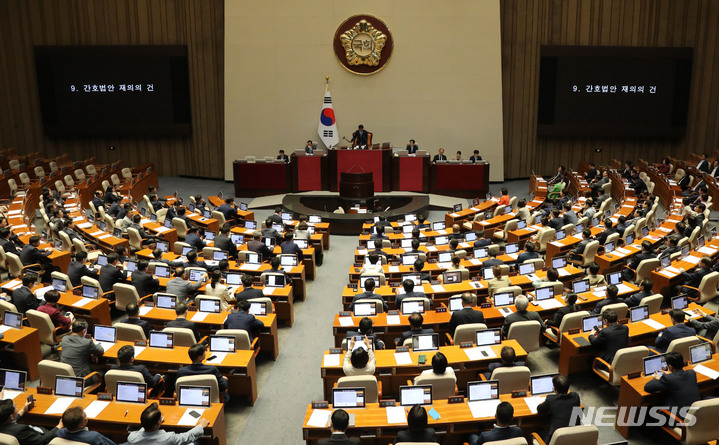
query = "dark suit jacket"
x=249 y=293
x=85 y=436
x=635 y=299
x=465 y=316
x=474 y=158
x=225 y=243
x=246 y=322
x=289 y=247
x=561 y=312
x=598 y=308
x=639 y=257
x=410 y=333
x=495 y=434
x=24 y=299
x=679 y=388
x=144 y=324
x=439 y=158
x=703 y=166
x=109 y=276
x=32 y=255
x=261 y=248
x=413 y=294
x=427 y=435
x=145 y=283
x=524 y=256
x=411 y=149
x=612 y=338
x=227 y=210
x=9 y=246
x=560 y=407
x=198 y=369
x=195 y=241
x=26 y=435
x=184 y=323
x=339 y=439
x=521 y=316
x=672 y=333
x=142 y=369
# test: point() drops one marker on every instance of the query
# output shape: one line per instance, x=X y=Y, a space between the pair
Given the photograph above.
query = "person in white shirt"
x=215 y=288
x=440 y=367
x=374 y=266
x=151 y=434
x=360 y=360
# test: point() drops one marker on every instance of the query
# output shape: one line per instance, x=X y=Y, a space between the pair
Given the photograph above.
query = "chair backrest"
x=704 y=428
x=115 y=179
x=39 y=172
x=572 y=320
x=61 y=441
x=538 y=263
x=682 y=345
x=627 y=360
x=14 y=264
x=266 y=300
x=443 y=386
x=129 y=332
x=80 y=175
x=177 y=247
x=66 y=241
x=134 y=238
x=148 y=204
x=90 y=169
x=654 y=302
x=499 y=210
x=572 y=435
x=242 y=338
x=124 y=295
x=180 y=226
x=426 y=300
x=645 y=268
x=105 y=184
x=590 y=251
x=42 y=322
x=90 y=282
x=708 y=287
x=183 y=336
x=368 y=382
x=466 y=332
x=115 y=375
x=161 y=215
x=382 y=278
x=511 y=378
x=527 y=334
x=558 y=287
x=516 y=290
x=126 y=173
x=207 y=252
x=49 y=369
x=24 y=178
x=59 y=186
x=7 y=439
x=201 y=380
x=219 y=216
x=6 y=306
x=545 y=237
x=620 y=308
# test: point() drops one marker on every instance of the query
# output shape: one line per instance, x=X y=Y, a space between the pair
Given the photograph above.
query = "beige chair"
x=515 y=441
x=570 y=321
x=91 y=282
x=177 y=247
x=654 y=303
x=379 y=306
x=526 y=333
x=645 y=268
x=129 y=332
x=201 y=380
x=61 y=441
x=516 y=290
x=66 y=242
x=180 y=226
x=24 y=179
x=508 y=227
x=626 y=360
x=242 y=338
x=219 y=216
x=148 y=204
x=80 y=175
x=545 y=237
x=14 y=164
x=161 y=215
x=109 y=222
x=6 y=306
x=49 y=369
x=621 y=309
x=613 y=238
x=538 y=263
x=65 y=278
x=466 y=332
x=125 y=294
x=512 y=378
x=134 y=238
x=60 y=187
x=69 y=182
x=91 y=170
x=443 y=386
x=13 y=192
x=382 y=278
x=182 y=336
x=571 y=435
x=707 y=289
x=50 y=336
x=266 y=300
x=80 y=247
x=207 y=252
x=703 y=430
x=558 y=287
x=115 y=375
x=126 y=174
x=39 y=172
x=682 y=345
x=499 y=210
x=372 y=388
x=115 y=179
x=16 y=268
x=7 y=439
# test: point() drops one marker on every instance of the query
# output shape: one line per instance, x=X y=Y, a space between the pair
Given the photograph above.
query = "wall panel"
x=528 y=25
x=197 y=24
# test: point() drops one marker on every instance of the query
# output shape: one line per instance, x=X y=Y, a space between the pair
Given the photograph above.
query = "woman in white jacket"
x=216 y=289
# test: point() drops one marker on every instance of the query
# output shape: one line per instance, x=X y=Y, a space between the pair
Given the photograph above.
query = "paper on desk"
x=268 y=290
x=190 y=420
x=432 y=248
x=623 y=251
x=437 y=288
x=475 y=261
x=454 y=215
x=444 y=265
x=362 y=251
x=505 y=311
x=706 y=250
x=10 y=394
x=465 y=245
x=480 y=353
x=138 y=350
x=576 y=238
x=512 y=255
x=106 y=345
x=703 y=370
x=162 y=229
x=14 y=212
x=107 y=235
x=4 y=328
x=346 y=321
x=556 y=244
x=40 y=293
x=393 y=319
x=84 y=225
x=82 y=302
x=331 y=360
x=392 y=269
x=653 y=324
x=533 y=402
x=199 y=316
x=550 y=303
x=672 y=269
x=441 y=232
x=563 y=272
x=484 y=408
x=692 y=259
x=600 y=293
x=484 y=223
x=95 y=408
x=13 y=284
x=667 y=273
x=144 y=310
x=246 y=266
x=402 y=358
x=77 y=218
x=319 y=418
x=396 y=414
x=60 y=405
x=623 y=288
x=219 y=357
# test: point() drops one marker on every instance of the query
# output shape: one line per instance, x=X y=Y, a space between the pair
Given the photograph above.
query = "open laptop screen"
x=68 y=386
x=59 y=284
x=410 y=307
x=348 y=398
x=503 y=299
x=13 y=319
x=486 y=390
x=425 y=342
x=485 y=337
x=701 y=352
x=222 y=343
x=545 y=293
x=258 y=308
x=541 y=384
x=579 y=286
x=590 y=322
x=655 y=363
x=131 y=392
x=365 y=309
x=208 y=305
x=194 y=396
x=105 y=333
x=166 y=301
x=415 y=395
x=13 y=379
x=639 y=313
x=161 y=340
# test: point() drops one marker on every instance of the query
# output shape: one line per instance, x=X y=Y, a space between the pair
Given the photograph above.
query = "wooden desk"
x=468 y=214
x=115 y=418
x=239 y=368
x=665 y=279
x=216 y=201
x=466 y=180
x=322 y=229
x=26 y=349
x=393 y=375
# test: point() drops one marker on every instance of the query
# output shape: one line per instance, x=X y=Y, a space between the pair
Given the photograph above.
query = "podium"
x=359 y=186
x=375 y=161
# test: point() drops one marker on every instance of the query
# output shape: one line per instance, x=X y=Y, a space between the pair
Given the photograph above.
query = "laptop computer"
x=425 y=342
x=455 y=304
x=486 y=337
x=665 y=261
x=701 y=352
x=444 y=257
x=528 y=270
x=590 y=322
x=258 y=308
x=503 y=299
x=405 y=243
x=580 y=286
x=208 y=305
x=131 y=265
x=69 y=386
x=166 y=301
x=191 y=395
x=614 y=278
x=541 y=384
x=164 y=340
x=288 y=260
x=13 y=379
x=365 y=309
x=59 y=284
x=164 y=246
x=414 y=277
x=250 y=225
x=363 y=279
x=559 y=262
x=219 y=255
x=680 y=302
x=441 y=240
x=196 y=275
x=639 y=313
x=253 y=258
x=102 y=260
x=302 y=243
x=105 y=334
x=487 y=273
x=348 y=398
x=222 y=343
x=608 y=247
x=12 y=319
x=481 y=253
x=511 y=248
x=275 y=280
x=655 y=363
x=485 y=390
x=457 y=207
x=162 y=271
x=89 y=291
x=236 y=238
x=544 y=293
x=315 y=219
x=410 y=307
x=409 y=259
x=131 y=392
x=629 y=239
x=415 y=395
x=186 y=250
x=560 y=235
x=210 y=235
x=438 y=225
x=454 y=276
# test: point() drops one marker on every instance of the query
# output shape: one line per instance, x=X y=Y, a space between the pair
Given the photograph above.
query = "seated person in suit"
x=359 y=360
x=248 y=291
x=493 y=260
x=467 y=314
x=23 y=298
x=522 y=314
x=78 y=351
x=30 y=254
x=415 y=322
x=412 y=147
x=502 y=427
x=228 y=210
x=289 y=247
x=498 y=281
x=182 y=322
x=309 y=148
x=440 y=367
x=646 y=253
x=408 y=288
x=256 y=245
x=611 y=338
x=456 y=234
x=509 y=360
x=283 y=157
x=144 y=282
x=706 y=326
x=133 y=317
x=475 y=156
x=439 y=157
x=151 y=434
x=270 y=232
x=368 y=294
x=194 y=239
x=198 y=354
x=678 y=329
x=530 y=252
x=612 y=297
x=379 y=233
x=126 y=362
x=559 y=406
x=338 y=425
x=645 y=290
x=374 y=266
x=223 y=242
x=570 y=307
x=74 y=421
x=595 y=278
x=193 y=262
x=579 y=249
x=59 y=320
x=417 y=431
x=276 y=267
x=423 y=276
x=181 y=287
x=25 y=434
x=694 y=278
x=8 y=240
x=241 y=319
x=365 y=330
x=111 y=273
x=678 y=386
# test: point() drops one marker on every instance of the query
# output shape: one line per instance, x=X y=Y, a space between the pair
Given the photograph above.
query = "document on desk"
x=331 y=360
x=361 y=251
x=4 y=328
x=319 y=418
x=95 y=408
x=393 y=319
x=692 y=259
x=550 y=303
x=706 y=250
x=623 y=251
x=484 y=408
x=475 y=261
x=480 y=353
x=346 y=321
x=403 y=358
x=557 y=244
x=512 y=255
x=11 y=394
x=703 y=370
x=653 y=324
x=84 y=225
x=268 y=290
x=623 y=288
x=40 y=293
x=454 y=215
x=437 y=288
x=191 y=416
x=82 y=302
x=396 y=414
x=600 y=293
x=476 y=284
x=138 y=350
x=107 y=235
x=161 y=229
x=13 y=284
x=199 y=316
x=505 y=311
x=60 y=405
x=393 y=269
x=563 y=272
x=533 y=402
x=431 y=248
x=246 y=266
x=219 y=357
x=106 y=345
x=144 y=310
